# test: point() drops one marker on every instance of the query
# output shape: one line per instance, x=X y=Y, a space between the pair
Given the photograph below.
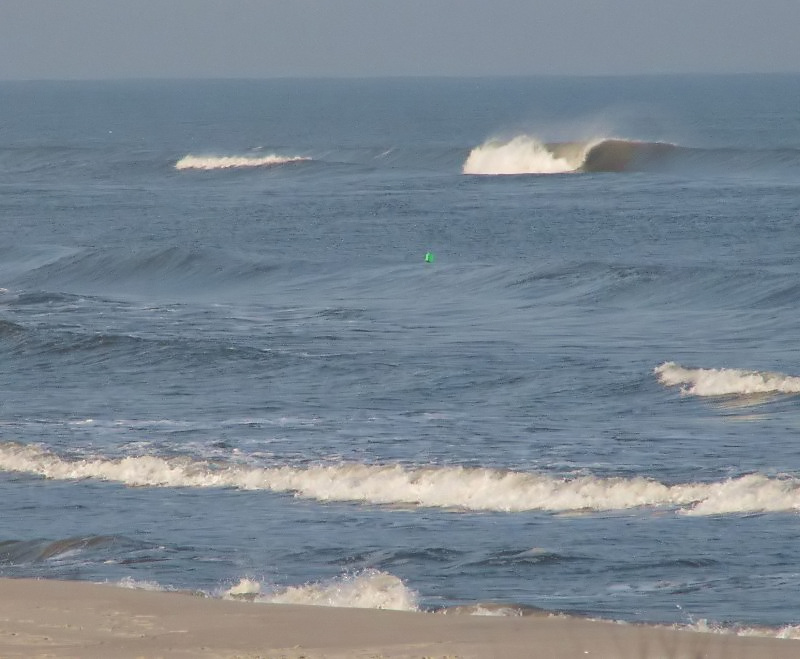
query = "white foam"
x=521 y=155
x=725 y=381
x=371 y=589
x=457 y=488
x=137 y=584
x=246 y=588
x=704 y=626
x=233 y=162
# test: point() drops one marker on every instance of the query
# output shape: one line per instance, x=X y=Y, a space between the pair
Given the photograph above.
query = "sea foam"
x=235 y=162
x=447 y=487
x=725 y=381
x=370 y=589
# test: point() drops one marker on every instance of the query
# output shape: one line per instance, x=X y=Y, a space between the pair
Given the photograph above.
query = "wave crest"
x=520 y=155
x=725 y=381
x=524 y=154
x=234 y=162
x=453 y=488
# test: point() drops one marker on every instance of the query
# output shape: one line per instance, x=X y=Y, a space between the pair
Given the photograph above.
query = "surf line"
x=451 y=488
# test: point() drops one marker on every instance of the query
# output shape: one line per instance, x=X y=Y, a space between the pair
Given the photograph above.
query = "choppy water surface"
x=227 y=366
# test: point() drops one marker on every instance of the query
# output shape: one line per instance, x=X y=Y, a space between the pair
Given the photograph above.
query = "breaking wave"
x=452 y=488
x=524 y=154
x=374 y=589
x=235 y=162
x=725 y=381
x=370 y=589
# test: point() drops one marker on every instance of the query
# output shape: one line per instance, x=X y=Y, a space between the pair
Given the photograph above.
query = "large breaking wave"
x=453 y=488
x=524 y=154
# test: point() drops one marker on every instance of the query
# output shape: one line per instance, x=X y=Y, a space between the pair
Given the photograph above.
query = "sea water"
x=227 y=365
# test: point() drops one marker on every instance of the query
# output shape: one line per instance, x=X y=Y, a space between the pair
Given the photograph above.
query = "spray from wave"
x=521 y=155
x=725 y=381
x=235 y=162
x=452 y=488
x=524 y=154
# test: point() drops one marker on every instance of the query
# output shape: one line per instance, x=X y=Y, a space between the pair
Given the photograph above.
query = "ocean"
x=505 y=344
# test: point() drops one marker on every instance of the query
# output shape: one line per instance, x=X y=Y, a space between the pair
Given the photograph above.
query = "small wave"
x=235 y=162
x=164 y=269
x=725 y=381
x=138 y=584
x=451 y=488
x=371 y=589
x=9 y=329
x=524 y=154
x=495 y=610
x=17 y=552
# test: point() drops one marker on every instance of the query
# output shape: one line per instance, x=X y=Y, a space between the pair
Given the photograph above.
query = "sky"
x=111 y=39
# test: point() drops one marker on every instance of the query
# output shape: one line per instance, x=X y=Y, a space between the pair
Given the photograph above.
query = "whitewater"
x=234 y=162
x=454 y=488
x=725 y=381
x=526 y=154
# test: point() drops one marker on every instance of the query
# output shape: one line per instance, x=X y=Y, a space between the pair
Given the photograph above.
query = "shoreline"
x=80 y=619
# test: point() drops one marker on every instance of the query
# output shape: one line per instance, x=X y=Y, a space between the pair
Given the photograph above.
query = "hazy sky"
x=267 y=38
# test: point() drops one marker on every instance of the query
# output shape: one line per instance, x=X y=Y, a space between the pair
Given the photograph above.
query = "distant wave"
x=725 y=381
x=526 y=155
x=235 y=162
x=456 y=488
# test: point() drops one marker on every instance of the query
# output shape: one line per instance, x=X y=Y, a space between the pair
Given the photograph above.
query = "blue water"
x=245 y=368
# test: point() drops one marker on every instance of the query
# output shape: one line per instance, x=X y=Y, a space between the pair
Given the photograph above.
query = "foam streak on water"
x=234 y=162
x=475 y=489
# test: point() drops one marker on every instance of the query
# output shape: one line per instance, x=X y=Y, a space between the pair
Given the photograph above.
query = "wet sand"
x=40 y=618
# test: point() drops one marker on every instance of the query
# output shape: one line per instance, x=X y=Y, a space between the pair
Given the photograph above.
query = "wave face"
x=173 y=268
x=725 y=381
x=16 y=552
x=235 y=162
x=456 y=488
x=526 y=155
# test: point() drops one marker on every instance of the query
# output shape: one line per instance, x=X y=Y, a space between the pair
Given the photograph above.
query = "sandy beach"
x=76 y=619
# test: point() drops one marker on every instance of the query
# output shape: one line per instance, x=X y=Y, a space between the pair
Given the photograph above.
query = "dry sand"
x=75 y=619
